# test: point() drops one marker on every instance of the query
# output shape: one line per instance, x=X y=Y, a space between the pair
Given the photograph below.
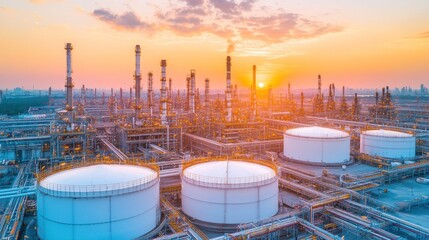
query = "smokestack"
x=192 y=103
x=82 y=95
x=121 y=99
x=170 y=88
x=95 y=95
x=150 y=92
x=163 y=94
x=254 y=99
x=319 y=85
x=137 y=78
x=131 y=97
x=69 y=83
x=228 y=90
x=288 y=91
x=376 y=97
x=188 y=91
x=206 y=92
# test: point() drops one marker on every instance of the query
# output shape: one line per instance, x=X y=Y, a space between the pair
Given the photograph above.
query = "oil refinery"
x=252 y=163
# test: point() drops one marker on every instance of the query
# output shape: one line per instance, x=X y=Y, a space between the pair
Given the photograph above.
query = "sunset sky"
x=365 y=43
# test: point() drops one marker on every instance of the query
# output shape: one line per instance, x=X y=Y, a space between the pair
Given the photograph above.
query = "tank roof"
x=316 y=132
x=231 y=171
x=111 y=176
x=387 y=133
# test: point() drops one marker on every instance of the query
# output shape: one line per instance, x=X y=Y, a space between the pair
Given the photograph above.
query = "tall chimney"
x=170 y=94
x=254 y=99
x=69 y=83
x=131 y=96
x=121 y=99
x=95 y=95
x=376 y=97
x=188 y=91
x=137 y=78
x=82 y=95
x=228 y=90
x=150 y=92
x=206 y=92
x=192 y=94
x=163 y=94
x=170 y=86
x=319 y=85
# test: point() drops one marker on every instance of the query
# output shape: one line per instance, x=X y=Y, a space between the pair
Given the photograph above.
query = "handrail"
x=231 y=182
x=99 y=189
x=196 y=161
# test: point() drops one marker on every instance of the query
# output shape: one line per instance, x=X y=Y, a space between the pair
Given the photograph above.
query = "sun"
x=261 y=85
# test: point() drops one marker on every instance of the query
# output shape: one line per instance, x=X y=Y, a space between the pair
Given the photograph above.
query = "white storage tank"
x=388 y=144
x=317 y=145
x=229 y=191
x=104 y=201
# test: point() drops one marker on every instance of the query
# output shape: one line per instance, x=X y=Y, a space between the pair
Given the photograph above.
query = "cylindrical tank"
x=317 y=145
x=229 y=191
x=104 y=201
x=388 y=144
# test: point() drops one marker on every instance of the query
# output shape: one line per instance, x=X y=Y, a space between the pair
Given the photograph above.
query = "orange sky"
x=365 y=43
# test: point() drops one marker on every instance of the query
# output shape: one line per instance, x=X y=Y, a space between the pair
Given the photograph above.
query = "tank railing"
x=229 y=180
x=90 y=162
x=232 y=158
x=224 y=182
x=98 y=187
x=96 y=190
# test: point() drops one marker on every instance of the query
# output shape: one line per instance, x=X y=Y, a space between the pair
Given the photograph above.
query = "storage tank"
x=317 y=145
x=103 y=201
x=229 y=191
x=388 y=144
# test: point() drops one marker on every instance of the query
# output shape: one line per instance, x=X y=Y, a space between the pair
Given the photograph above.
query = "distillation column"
x=192 y=95
x=69 y=83
x=207 y=92
x=137 y=78
x=254 y=103
x=228 y=90
x=163 y=94
x=150 y=92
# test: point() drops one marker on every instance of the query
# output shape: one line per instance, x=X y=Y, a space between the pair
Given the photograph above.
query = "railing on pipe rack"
x=98 y=190
x=229 y=182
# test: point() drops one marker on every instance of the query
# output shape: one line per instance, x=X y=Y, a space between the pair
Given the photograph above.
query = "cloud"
x=231 y=47
x=42 y=1
x=282 y=27
x=194 y=3
x=423 y=35
x=127 y=20
x=231 y=7
x=228 y=19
